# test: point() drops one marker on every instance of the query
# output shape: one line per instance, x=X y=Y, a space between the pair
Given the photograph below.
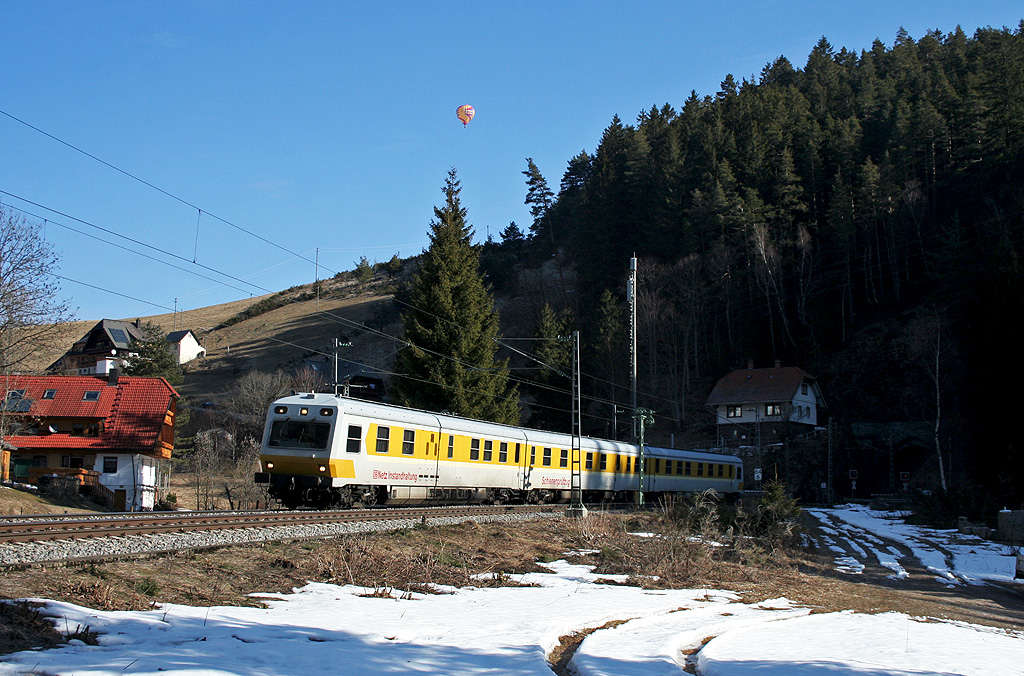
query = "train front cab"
x=295 y=456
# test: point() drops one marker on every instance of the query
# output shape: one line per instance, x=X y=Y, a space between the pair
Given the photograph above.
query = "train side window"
x=636 y=465
x=689 y=467
x=563 y=461
x=408 y=442
x=616 y=463
x=547 y=457
x=355 y=439
x=488 y=450
x=517 y=454
x=383 y=438
x=628 y=461
x=503 y=452
x=700 y=469
x=668 y=467
x=474 y=449
x=451 y=446
x=533 y=456
x=602 y=462
x=679 y=466
x=590 y=461
x=657 y=465
x=731 y=471
x=739 y=472
x=721 y=471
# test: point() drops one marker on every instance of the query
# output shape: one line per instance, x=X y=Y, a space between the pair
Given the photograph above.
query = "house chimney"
x=750 y=363
x=778 y=363
x=112 y=378
x=138 y=322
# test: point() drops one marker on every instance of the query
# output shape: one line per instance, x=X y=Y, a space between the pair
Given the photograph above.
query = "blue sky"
x=332 y=125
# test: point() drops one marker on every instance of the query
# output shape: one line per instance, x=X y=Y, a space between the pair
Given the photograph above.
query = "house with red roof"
x=758 y=406
x=115 y=430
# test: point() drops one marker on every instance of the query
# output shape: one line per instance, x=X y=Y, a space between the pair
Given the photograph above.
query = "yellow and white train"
x=324 y=451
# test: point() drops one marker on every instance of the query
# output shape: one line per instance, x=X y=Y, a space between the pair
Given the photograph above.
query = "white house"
x=185 y=346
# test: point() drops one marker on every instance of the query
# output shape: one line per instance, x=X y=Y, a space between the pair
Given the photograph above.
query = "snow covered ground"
x=322 y=628
x=860 y=536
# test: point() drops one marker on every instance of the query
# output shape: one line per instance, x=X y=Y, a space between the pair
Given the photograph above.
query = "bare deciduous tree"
x=30 y=313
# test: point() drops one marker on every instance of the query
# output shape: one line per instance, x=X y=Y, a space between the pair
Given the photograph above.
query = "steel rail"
x=78 y=528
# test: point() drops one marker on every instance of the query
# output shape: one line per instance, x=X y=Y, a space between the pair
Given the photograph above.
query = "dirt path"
x=866 y=558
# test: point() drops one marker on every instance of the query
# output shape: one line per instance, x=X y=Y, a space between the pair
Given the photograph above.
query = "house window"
x=49 y=394
x=547 y=457
x=451 y=445
x=109 y=464
x=92 y=429
x=474 y=449
x=355 y=436
x=733 y=411
x=77 y=429
x=488 y=450
x=563 y=461
x=39 y=461
x=91 y=395
x=72 y=461
x=773 y=409
x=503 y=452
x=383 y=438
x=408 y=442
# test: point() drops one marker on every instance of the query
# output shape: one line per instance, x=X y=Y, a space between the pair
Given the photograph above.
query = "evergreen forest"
x=861 y=217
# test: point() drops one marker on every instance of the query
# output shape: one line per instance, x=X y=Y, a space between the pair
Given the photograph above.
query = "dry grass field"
x=300 y=331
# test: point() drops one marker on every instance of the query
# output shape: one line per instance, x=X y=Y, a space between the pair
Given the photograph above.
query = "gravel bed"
x=133 y=545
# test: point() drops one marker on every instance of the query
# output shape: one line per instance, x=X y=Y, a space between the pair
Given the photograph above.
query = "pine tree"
x=452 y=328
x=151 y=358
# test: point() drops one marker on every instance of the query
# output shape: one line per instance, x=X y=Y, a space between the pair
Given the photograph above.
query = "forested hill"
x=860 y=216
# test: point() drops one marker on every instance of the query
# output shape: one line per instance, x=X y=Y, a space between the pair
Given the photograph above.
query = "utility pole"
x=316 y=282
x=643 y=418
x=631 y=297
x=338 y=343
x=576 y=506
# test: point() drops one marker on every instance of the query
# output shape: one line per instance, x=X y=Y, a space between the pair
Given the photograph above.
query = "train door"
x=522 y=459
x=434 y=446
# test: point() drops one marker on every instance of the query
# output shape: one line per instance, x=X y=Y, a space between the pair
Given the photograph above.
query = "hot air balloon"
x=465 y=114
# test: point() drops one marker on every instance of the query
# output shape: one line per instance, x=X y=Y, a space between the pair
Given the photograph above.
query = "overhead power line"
x=155 y=187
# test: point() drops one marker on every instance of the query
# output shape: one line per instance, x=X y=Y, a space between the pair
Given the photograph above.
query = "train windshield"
x=298 y=434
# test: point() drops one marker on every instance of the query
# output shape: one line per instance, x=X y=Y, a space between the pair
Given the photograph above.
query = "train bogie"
x=324 y=451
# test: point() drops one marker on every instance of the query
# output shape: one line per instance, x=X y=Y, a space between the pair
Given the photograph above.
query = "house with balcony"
x=755 y=407
x=114 y=431
x=103 y=347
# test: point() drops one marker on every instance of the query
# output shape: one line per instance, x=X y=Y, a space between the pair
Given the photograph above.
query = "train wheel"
x=291 y=500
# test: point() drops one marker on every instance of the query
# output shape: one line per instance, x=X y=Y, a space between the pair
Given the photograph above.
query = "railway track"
x=49 y=539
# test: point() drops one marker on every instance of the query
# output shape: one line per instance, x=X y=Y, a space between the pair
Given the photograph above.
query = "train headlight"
x=280 y=410
x=270 y=465
x=303 y=411
x=323 y=468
